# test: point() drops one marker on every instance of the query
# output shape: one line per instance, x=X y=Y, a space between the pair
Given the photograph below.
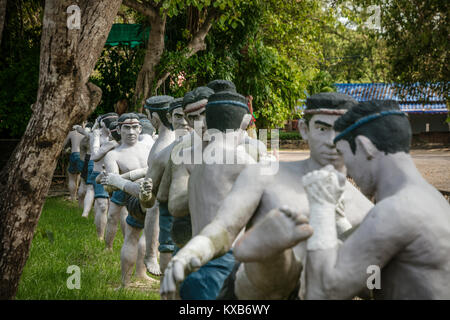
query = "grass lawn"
x=63 y=238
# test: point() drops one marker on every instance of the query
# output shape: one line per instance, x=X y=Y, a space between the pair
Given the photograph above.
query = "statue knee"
x=103 y=205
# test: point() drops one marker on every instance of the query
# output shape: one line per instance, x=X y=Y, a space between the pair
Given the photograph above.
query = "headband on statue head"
x=365 y=120
x=125 y=122
x=337 y=112
x=109 y=117
x=232 y=102
x=156 y=108
x=197 y=105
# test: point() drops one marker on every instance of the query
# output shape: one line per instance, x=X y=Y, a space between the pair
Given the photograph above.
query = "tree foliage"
x=415 y=34
x=276 y=51
x=116 y=73
x=19 y=65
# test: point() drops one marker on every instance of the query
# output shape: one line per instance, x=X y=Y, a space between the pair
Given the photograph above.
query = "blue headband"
x=364 y=120
x=236 y=103
x=156 y=109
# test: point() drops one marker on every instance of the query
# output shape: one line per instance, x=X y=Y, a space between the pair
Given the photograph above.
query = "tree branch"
x=197 y=42
x=328 y=29
x=146 y=9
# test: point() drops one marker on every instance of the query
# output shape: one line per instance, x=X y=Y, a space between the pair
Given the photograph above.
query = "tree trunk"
x=147 y=82
x=64 y=98
x=2 y=17
x=155 y=48
x=197 y=43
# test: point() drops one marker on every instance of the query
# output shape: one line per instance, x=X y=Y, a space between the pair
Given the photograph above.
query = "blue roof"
x=427 y=101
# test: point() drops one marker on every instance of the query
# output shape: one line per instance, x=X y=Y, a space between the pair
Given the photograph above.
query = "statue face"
x=198 y=116
x=320 y=135
x=178 y=120
x=359 y=168
x=130 y=131
x=154 y=119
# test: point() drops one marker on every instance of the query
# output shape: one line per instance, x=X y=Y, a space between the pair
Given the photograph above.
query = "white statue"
x=132 y=154
x=401 y=249
x=74 y=137
x=250 y=203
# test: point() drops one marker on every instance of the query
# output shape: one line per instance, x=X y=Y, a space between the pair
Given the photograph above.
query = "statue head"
x=156 y=108
x=141 y=115
x=194 y=103
x=175 y=115
x=226 y=108
x=107 y=118
x=147 y=127
x=129 y=128
x=113 y=130
x=316 y=127
x=366 y=133
x=222 y=85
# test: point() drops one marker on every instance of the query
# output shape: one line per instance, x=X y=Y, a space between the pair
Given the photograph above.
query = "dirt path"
x=433 y=164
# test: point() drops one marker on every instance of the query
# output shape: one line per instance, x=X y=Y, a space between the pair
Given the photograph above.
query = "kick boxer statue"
x=251 y=202
x=406 y=235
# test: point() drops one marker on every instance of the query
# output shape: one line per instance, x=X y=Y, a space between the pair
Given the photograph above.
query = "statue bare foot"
x=281 y=229
x=145 y=277
x=152 y=266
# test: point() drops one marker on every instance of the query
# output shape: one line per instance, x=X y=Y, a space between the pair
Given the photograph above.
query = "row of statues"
x=199 y=195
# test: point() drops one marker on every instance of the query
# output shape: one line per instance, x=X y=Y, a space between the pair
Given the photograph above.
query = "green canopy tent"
x=128 y=34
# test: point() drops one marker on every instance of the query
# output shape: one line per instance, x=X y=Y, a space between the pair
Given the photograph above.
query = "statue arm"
x=149 y=189
x=66 y=140
x=341 y=272
x=356 y=205
x=164 y=185
x=218 y=236
x=136 y=174
x=255 y=148
x=178 y=191
x=112 y=177
x=233 y=215
x=100 y=152
x=111 y=165
x=94 y=142
x=81 y=130
x=155 y=173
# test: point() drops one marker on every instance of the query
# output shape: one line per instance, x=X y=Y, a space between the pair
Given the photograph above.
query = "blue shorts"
x=99 y=190
x=136 y=217
x=74 y=163
x=90 y=167
x=166 y=243
x=91 y=176
x=181 y=231
x=206 y=282
x=87 y=170
x=120 y=198
x=133 y=222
